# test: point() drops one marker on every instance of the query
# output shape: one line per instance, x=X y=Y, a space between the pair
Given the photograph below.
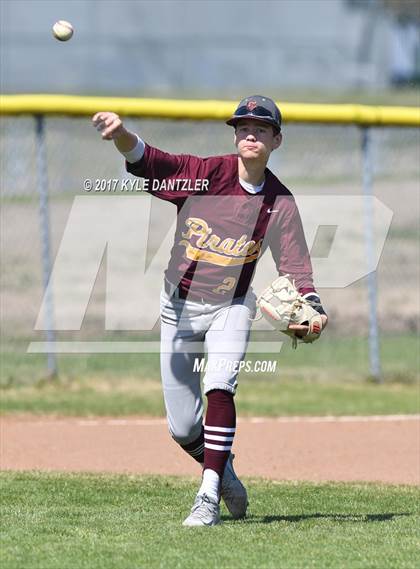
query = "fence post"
x=44 y=214
x=367 y=181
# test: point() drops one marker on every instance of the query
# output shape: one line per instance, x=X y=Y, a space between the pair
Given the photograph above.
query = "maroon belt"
x=178 y=292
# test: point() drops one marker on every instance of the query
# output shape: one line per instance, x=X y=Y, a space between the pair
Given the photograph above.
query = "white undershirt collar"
x=250 y=188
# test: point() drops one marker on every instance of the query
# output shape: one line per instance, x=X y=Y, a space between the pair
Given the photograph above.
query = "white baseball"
x=62 y=30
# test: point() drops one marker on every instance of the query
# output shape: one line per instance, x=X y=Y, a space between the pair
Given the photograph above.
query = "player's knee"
x=184 y=432
x=228 y=383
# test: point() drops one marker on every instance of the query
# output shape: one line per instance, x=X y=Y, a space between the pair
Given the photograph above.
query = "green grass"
x=307 y=94
x=353 y=96
x=323 y=379
x=330 y=358
x=53 y=521
x=255 y=396
x=316 y=398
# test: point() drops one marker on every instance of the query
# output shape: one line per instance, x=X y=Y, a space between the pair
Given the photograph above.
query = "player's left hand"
x=289 y=312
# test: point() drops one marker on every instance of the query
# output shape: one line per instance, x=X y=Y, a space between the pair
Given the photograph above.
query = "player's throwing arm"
x=111 y=128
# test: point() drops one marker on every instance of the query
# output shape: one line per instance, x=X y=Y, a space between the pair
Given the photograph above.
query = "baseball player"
x=230 y=209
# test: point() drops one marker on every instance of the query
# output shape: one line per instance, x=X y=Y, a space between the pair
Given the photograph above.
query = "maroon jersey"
x=222 y=230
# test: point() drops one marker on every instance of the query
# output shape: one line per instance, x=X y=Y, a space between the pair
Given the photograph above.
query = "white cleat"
x=233 y=492
x=205 y=512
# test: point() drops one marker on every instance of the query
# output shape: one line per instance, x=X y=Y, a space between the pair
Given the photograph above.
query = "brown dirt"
x=382 y=449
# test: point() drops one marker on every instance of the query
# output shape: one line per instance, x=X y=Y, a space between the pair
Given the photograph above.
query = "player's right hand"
x=109 y=125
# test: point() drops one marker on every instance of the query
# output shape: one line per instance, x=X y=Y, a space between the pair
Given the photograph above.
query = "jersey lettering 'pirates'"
x=221 y=233
x=231 y=210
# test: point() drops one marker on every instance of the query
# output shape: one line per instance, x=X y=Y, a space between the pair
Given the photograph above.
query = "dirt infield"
x=383 y=449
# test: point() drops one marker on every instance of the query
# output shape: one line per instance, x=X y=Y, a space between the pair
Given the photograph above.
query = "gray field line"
x=259 y=420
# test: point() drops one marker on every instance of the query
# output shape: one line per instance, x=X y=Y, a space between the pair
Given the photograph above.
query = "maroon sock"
x=196 y=448
x=219 y=429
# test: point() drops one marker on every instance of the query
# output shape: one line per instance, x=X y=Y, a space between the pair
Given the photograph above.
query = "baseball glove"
x=288 y=311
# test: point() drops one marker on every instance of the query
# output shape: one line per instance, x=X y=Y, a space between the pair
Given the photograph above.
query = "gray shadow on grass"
x=366 y=518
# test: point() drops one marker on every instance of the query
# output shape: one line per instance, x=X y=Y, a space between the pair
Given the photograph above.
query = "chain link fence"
x=312 y=161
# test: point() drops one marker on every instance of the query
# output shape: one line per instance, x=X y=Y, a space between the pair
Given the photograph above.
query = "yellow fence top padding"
x=204 y=109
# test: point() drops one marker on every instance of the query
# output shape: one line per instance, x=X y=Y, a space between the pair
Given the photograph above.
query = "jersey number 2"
x=227 y=284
